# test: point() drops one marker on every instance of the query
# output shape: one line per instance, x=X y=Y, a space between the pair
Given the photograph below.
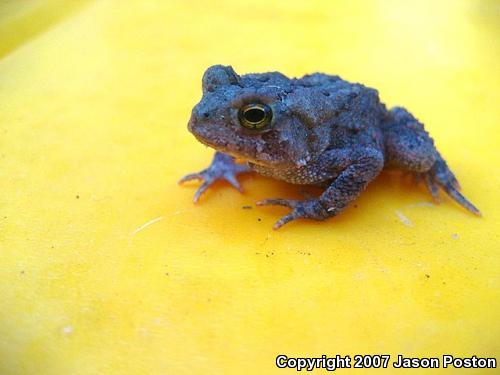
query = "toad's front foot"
x=307 y=209
x=223 y=167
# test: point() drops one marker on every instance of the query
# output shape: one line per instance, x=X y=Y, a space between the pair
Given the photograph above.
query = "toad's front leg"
x=361 y=167
x=223 y=167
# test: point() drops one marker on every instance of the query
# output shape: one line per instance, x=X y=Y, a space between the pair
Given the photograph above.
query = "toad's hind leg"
x=410 y=148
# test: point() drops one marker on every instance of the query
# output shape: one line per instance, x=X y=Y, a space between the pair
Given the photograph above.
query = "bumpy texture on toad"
x=315 y=130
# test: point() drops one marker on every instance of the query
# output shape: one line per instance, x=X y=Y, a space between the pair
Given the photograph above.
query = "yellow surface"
x=94 y=101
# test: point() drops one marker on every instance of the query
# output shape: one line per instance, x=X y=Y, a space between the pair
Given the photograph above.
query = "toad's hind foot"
x=223 y=167
x=441 y=176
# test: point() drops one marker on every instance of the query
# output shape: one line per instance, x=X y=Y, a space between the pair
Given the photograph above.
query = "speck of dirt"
x=405 y=220
x=259 y=219
x=68 y=330
x=454 y=236
x=355 y=206
x=246 y=207
x=77 y=197
x=427 y=275
x=22 y=272
x=166 y=274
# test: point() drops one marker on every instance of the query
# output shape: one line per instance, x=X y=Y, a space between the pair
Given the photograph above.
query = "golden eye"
x=255 y=116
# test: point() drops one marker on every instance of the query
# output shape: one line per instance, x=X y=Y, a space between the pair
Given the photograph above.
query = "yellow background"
x=94 y=101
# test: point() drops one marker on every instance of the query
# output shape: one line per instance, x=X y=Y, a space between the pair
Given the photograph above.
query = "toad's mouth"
x=221 y=145
x=240 y=148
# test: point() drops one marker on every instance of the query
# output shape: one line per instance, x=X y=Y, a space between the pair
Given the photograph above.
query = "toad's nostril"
x=206 y=114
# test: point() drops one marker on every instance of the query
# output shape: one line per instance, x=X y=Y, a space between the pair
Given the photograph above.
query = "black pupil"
x=255 y=115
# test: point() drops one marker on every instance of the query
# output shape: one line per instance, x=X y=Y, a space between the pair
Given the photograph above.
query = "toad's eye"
x=255 y=116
